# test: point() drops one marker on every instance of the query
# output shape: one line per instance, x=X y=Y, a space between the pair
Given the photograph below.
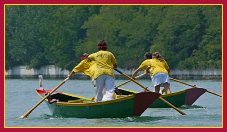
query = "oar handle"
x=183 y=82
x=172 y=106
x=25 y=115
x=129 y=80
x=214 y=93
x=194 y=86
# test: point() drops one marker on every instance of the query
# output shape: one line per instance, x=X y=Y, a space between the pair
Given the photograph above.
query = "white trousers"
x=160 y=79
x=104 y=83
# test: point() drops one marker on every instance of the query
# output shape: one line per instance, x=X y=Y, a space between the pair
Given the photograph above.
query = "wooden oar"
x=130 y=80
x=194 y=86
x=25 y=115
x=168 y=103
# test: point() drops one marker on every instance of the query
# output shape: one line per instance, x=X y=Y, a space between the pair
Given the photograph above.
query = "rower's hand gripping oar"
x=144 y=88
x=193 y=86
x=25 y=115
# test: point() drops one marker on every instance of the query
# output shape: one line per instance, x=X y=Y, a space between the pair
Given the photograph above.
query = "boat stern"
x=143 y=100
x=193 y=94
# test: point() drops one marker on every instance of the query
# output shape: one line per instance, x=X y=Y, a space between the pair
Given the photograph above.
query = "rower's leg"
x=167 y=88
x=157 y=88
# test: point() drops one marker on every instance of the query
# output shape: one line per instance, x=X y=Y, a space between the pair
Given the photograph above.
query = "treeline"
x=188 y=37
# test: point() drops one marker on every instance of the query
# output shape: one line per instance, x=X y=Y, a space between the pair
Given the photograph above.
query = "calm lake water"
x=20 y=97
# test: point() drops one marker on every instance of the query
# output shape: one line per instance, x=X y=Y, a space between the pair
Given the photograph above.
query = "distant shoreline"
x=53 y=72
x=84 y=77
x=118 y=77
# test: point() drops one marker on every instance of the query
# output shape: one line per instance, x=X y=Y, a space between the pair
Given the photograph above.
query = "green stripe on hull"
x=177 y=100
x=96 y=111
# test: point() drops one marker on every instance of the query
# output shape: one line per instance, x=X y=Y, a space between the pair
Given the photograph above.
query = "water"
x=20 y=97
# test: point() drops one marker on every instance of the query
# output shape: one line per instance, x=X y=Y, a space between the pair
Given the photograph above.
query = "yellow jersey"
x=155 y=66
x=87 y=67
x=104 y=57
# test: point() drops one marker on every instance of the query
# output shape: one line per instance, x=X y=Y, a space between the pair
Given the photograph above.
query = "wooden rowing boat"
x=184 y=97
x=69 y=105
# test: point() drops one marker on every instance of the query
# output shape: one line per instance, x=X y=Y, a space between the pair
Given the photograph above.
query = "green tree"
x=179 y=33
x=209 y=52
x=188 y=37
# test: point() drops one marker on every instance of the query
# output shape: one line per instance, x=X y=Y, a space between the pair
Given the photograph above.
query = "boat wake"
x=144 y=119
x=46 y=116
x=192 y=107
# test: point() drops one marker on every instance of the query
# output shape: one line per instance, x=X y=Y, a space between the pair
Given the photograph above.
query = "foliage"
x=188 y=37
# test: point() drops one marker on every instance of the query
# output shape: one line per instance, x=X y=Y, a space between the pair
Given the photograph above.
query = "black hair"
x=148 y=55
x=102 y=45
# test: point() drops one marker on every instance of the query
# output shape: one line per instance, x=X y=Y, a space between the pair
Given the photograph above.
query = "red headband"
x=102 y=46
x=83 y=57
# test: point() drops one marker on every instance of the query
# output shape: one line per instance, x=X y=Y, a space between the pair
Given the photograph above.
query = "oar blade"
x=26 y=114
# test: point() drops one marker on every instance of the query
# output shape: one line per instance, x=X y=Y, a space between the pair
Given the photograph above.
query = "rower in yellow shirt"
x=85 y=66
x=159 y=72
x=104 y=75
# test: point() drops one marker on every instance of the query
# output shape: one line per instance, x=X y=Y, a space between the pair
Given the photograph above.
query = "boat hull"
x=95 y=111
x=131 y=105
x=185 y=97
